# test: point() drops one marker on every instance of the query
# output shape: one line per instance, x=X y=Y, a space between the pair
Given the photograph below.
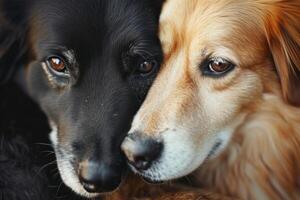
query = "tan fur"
x=263 y=155
x=283 y=36
x=262 y=158
x=134 y=188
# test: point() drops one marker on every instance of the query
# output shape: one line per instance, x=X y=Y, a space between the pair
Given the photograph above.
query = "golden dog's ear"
x=283 y=34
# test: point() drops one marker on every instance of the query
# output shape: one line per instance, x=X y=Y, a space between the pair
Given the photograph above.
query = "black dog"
x=88 y=64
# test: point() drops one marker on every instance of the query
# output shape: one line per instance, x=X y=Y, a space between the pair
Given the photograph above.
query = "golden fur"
x=134 y=188
x=256 y=103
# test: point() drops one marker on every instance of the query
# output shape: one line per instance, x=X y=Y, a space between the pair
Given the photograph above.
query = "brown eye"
x=57 y=64
x=219 y=66
x=147 y=67
x=216 y=67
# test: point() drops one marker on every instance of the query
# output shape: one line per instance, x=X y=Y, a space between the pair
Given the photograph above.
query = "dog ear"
x=12 y=37
x=283 y=34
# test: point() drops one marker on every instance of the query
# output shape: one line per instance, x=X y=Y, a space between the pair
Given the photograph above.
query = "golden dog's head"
x=222 y=60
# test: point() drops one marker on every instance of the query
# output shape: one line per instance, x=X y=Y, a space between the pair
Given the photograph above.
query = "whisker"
x=188 y=180
x=55 y=172
x=48 y=151
x=43 y=144
x=58 y=189
x=45 y=166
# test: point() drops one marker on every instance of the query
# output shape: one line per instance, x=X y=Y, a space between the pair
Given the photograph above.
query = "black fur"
x=103 y=43
x=20 y=178
x=25 y=151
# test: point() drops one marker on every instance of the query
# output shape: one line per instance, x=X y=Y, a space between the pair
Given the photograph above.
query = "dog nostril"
x=140 y=152
x=99 y=178
x=89 y=187
x=141 y=163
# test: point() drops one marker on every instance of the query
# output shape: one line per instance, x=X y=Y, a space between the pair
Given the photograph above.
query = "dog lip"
x=213 y=150
x=144 y=177
x=151 y=181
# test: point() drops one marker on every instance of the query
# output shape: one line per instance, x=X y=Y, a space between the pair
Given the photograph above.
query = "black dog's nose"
x=99 y=178
x=141 y=152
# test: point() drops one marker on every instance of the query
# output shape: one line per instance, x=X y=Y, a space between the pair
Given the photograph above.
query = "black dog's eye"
x=139 y=65
x=57 y=64
x=57 y=70
x=147 y=67
x=217 y=67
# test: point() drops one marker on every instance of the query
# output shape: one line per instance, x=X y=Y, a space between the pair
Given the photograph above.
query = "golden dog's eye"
x=219 y=65
x=216 y=67
x=57 y=64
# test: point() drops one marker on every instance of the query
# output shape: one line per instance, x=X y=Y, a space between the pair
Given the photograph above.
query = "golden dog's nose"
x=140 y=151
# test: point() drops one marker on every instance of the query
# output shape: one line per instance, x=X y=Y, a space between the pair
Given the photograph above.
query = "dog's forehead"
x=89 y=25
x=51 y=19
x=93 y=16
x=222 y=29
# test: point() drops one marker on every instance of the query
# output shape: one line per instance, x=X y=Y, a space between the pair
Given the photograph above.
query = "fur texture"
x=19 y=176
x=103 y=47
x=27 y=170
x=236 y=131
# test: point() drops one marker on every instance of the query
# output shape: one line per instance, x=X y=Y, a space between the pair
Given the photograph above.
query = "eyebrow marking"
x=70 y=55
x=204 y=52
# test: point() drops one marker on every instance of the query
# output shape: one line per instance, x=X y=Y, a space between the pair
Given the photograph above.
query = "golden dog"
x=225 y=105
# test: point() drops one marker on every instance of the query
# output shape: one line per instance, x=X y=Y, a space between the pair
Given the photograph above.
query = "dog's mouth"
x=153 y=177
x=145 y=176
x=69 y=173
x=214 y=150
x=70 y=176
x=151 y=181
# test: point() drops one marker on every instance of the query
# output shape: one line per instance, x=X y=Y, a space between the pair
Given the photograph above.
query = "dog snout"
x=97 y=177
x=141 y=152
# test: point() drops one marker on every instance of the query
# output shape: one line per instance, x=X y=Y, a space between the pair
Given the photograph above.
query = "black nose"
x=141 y=152
x=99 y=178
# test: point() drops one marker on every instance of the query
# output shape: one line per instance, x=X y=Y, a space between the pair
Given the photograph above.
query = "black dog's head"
x=89 y=64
